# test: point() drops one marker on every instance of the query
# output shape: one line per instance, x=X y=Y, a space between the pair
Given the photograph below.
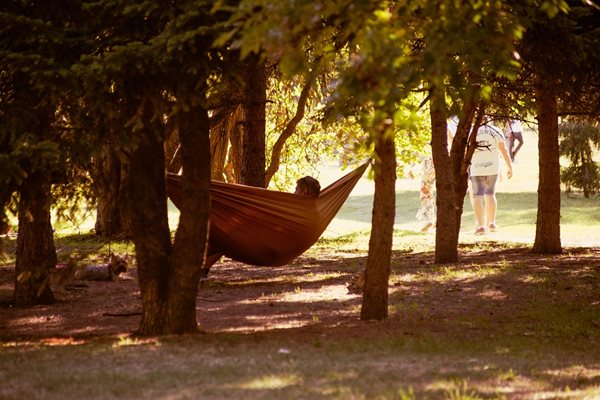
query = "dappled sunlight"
x=276 y=321
x=406 y=277
x=502 y=323
x=592 y=393
x=532 y=279
x=493 y=382
x=126 y=341
x=285 y=310
x=52 y=341
x=492 y=294
x=474 y=271
x=319 y=277
x=325 y=293
x=52 y=320
x=463 y=389
x=269 y=382
x=582 y=372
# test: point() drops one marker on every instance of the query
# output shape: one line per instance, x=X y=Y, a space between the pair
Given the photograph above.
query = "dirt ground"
x=311 y=295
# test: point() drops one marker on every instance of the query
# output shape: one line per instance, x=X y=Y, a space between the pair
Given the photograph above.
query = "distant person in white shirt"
x=515 y=132
x=483 y=173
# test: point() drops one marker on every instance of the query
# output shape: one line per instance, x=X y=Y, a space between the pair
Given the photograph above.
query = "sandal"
x=480 y=231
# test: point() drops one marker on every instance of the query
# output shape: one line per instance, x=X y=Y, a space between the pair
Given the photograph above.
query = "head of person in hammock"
x=308 y=186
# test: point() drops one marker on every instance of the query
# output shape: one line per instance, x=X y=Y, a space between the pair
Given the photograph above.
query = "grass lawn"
x=517 y=206
x=501 y=324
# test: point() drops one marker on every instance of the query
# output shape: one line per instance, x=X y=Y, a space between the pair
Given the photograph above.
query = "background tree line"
x=99 y=98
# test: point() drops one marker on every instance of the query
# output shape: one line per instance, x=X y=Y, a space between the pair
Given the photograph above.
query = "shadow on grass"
x=500 y=322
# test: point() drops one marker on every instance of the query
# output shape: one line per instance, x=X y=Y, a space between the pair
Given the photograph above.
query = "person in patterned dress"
x=427 y=210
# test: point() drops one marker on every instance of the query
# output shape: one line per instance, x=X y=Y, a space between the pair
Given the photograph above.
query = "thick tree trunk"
x=447 y=228
x=169 y=275
x=147 y=200
x=375 y=291
x=253 y=147
x=107 y=183
x=189 y=246
x=547 y=234
x=36 y=252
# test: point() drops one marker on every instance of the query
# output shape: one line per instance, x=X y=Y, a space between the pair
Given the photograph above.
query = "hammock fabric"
x=264 y=227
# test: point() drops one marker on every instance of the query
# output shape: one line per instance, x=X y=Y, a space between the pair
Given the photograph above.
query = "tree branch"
x=290 y=128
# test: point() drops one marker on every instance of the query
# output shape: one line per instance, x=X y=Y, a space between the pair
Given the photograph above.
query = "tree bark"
x=225 y=158
x=219 y=141
x=253 y=141
x=461 y=153
x=547 y=234
x=124 y=198
x=106 y=172
x=172 y=153
x=375 y=291
x=447 y=226
x=36 y=252
x=148 y=209
x=168 y=274
x=189 y=246
x=234 y=155
x=4 y=223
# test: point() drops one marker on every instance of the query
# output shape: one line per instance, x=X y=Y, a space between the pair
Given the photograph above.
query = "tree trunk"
x=168 y=275
x=172 y=153
x=147 y=201
x=225 y=158
x=124 y=199
x=219 y=141
x=461 y=153
x=547 y=234
x=375 y=292
x=107 y=182
x=4 y=223
x=189 y=246
x=36 y=252
x=447 y=227
x=253 y=140
x=234 y=155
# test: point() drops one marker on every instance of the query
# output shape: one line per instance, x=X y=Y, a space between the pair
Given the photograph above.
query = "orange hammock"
x=264 y=227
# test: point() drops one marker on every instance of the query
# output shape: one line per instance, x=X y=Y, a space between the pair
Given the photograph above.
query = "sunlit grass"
x=271 y=382
x=133 y=341
x=445 y=273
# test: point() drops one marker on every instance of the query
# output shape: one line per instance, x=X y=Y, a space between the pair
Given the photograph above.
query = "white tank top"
x=486 y=158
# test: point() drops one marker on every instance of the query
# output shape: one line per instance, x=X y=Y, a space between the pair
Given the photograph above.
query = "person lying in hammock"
x=306 y=186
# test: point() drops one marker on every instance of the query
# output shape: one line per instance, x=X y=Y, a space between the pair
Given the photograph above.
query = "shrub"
x=578 y=141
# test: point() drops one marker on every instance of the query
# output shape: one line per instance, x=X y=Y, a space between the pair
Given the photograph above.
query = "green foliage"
x=38 y=44
x=570 y=38
x=579 y=140
x=312 y=143
x=359 y=90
